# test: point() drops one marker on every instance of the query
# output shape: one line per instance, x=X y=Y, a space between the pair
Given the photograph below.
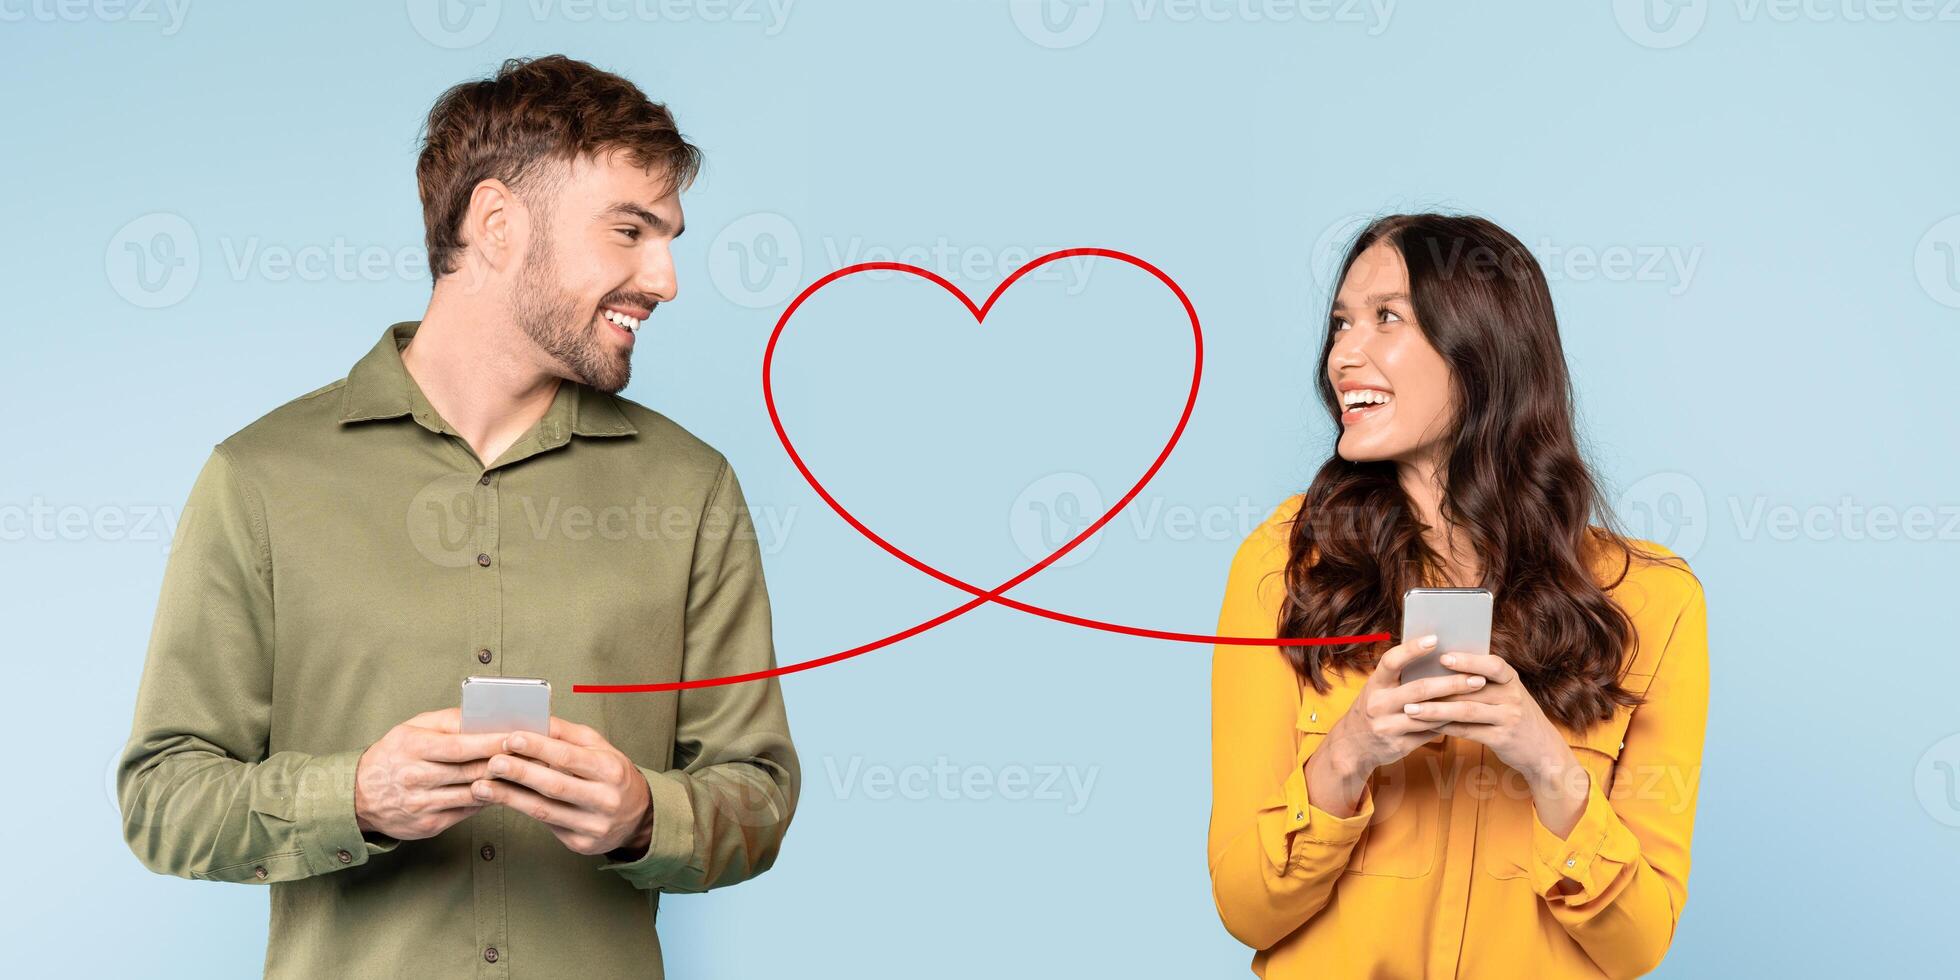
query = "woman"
x=1529 y=813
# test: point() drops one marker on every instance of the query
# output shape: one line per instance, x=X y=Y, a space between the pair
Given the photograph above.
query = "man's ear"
x=495 y=225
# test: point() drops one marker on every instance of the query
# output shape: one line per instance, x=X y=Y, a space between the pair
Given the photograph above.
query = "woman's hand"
x=1376 y=730
x=1505 y=717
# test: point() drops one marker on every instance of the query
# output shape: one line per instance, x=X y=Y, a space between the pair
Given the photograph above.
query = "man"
x=474 y=498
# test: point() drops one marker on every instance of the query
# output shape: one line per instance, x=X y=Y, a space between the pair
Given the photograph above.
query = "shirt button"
x=1569 y=862
x=344 y=856
x=489 y=853
x=484 y=480
x=483 y=656
x=259 y=872
x=483 y=560
x=490 y=954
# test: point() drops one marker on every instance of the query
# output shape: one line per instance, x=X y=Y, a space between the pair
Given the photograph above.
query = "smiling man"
x=474 y=497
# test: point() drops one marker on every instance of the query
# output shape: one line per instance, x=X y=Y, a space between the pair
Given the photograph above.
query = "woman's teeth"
x=631 y=325
x=1362 y=398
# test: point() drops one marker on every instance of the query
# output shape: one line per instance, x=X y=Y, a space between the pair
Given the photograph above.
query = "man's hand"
x=415 y=781
x=587 y=793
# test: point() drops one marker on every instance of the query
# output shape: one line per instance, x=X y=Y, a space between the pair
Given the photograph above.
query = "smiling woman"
x=1529 y=813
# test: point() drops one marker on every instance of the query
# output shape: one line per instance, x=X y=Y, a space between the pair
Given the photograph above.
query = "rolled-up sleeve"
x=200 y=797
x=721 y=813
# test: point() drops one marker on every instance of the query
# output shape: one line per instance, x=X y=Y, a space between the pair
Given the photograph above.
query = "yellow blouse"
x=1445 y=870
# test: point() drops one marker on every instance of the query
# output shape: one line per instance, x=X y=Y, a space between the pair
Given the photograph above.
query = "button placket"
x=485 y=624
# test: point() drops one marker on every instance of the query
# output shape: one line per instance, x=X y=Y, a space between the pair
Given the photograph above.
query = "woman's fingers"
x=1476 y=712
x=1430 y=689
x=1488 y=664
x=1388 y=670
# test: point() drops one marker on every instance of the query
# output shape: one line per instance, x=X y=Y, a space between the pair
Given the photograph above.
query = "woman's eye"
x=1390 y=316
x=1339 y=324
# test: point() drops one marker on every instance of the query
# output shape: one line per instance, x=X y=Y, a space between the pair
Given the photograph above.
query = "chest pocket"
x=1506 y=816
x=1403 y=836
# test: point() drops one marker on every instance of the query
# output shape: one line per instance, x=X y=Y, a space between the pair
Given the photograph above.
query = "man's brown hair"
x=522 y=126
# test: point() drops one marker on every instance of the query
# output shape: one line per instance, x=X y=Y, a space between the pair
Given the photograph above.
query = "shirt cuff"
x=671 y=846
x=1292 y=818
x=328 y=833
x=1576 y=868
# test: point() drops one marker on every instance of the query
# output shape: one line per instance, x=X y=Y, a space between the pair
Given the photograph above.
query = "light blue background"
x=1802 y=165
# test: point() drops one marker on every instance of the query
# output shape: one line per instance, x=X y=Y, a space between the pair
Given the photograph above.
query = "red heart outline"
x=981 y=596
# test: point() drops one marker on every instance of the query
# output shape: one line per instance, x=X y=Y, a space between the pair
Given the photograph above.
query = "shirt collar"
x=380 y=387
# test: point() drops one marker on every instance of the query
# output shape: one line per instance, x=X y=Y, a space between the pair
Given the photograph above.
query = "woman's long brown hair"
x=1514 y=483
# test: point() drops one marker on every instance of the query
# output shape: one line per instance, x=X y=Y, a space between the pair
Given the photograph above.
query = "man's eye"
x=630 y=232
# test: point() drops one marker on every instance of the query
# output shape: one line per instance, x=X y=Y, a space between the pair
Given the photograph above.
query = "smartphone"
x=1460 y=618
x=507 y=704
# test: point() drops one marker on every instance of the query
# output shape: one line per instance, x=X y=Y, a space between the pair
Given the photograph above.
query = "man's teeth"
x=622 y=319
x=1363 y=396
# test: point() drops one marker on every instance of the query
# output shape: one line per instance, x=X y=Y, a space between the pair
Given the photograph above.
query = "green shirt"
x=342 y=564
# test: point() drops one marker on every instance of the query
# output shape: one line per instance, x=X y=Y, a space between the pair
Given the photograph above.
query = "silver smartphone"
x=507 y=704
x=1460 y=618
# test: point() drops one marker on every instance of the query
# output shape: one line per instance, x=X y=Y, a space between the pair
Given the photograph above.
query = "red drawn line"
x=995 y=594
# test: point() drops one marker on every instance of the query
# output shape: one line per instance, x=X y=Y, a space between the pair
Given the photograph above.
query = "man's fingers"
x=451 y=798
x=555 y=752
x=549 y=782
x=1488 y=664
x=1389 y=668
x=444 y=747
x=534 y=805
x=575 y=733
x=450 y=773
x=442 y=720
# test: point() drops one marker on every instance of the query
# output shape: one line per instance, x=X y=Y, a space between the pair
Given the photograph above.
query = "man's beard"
x=552 y=319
